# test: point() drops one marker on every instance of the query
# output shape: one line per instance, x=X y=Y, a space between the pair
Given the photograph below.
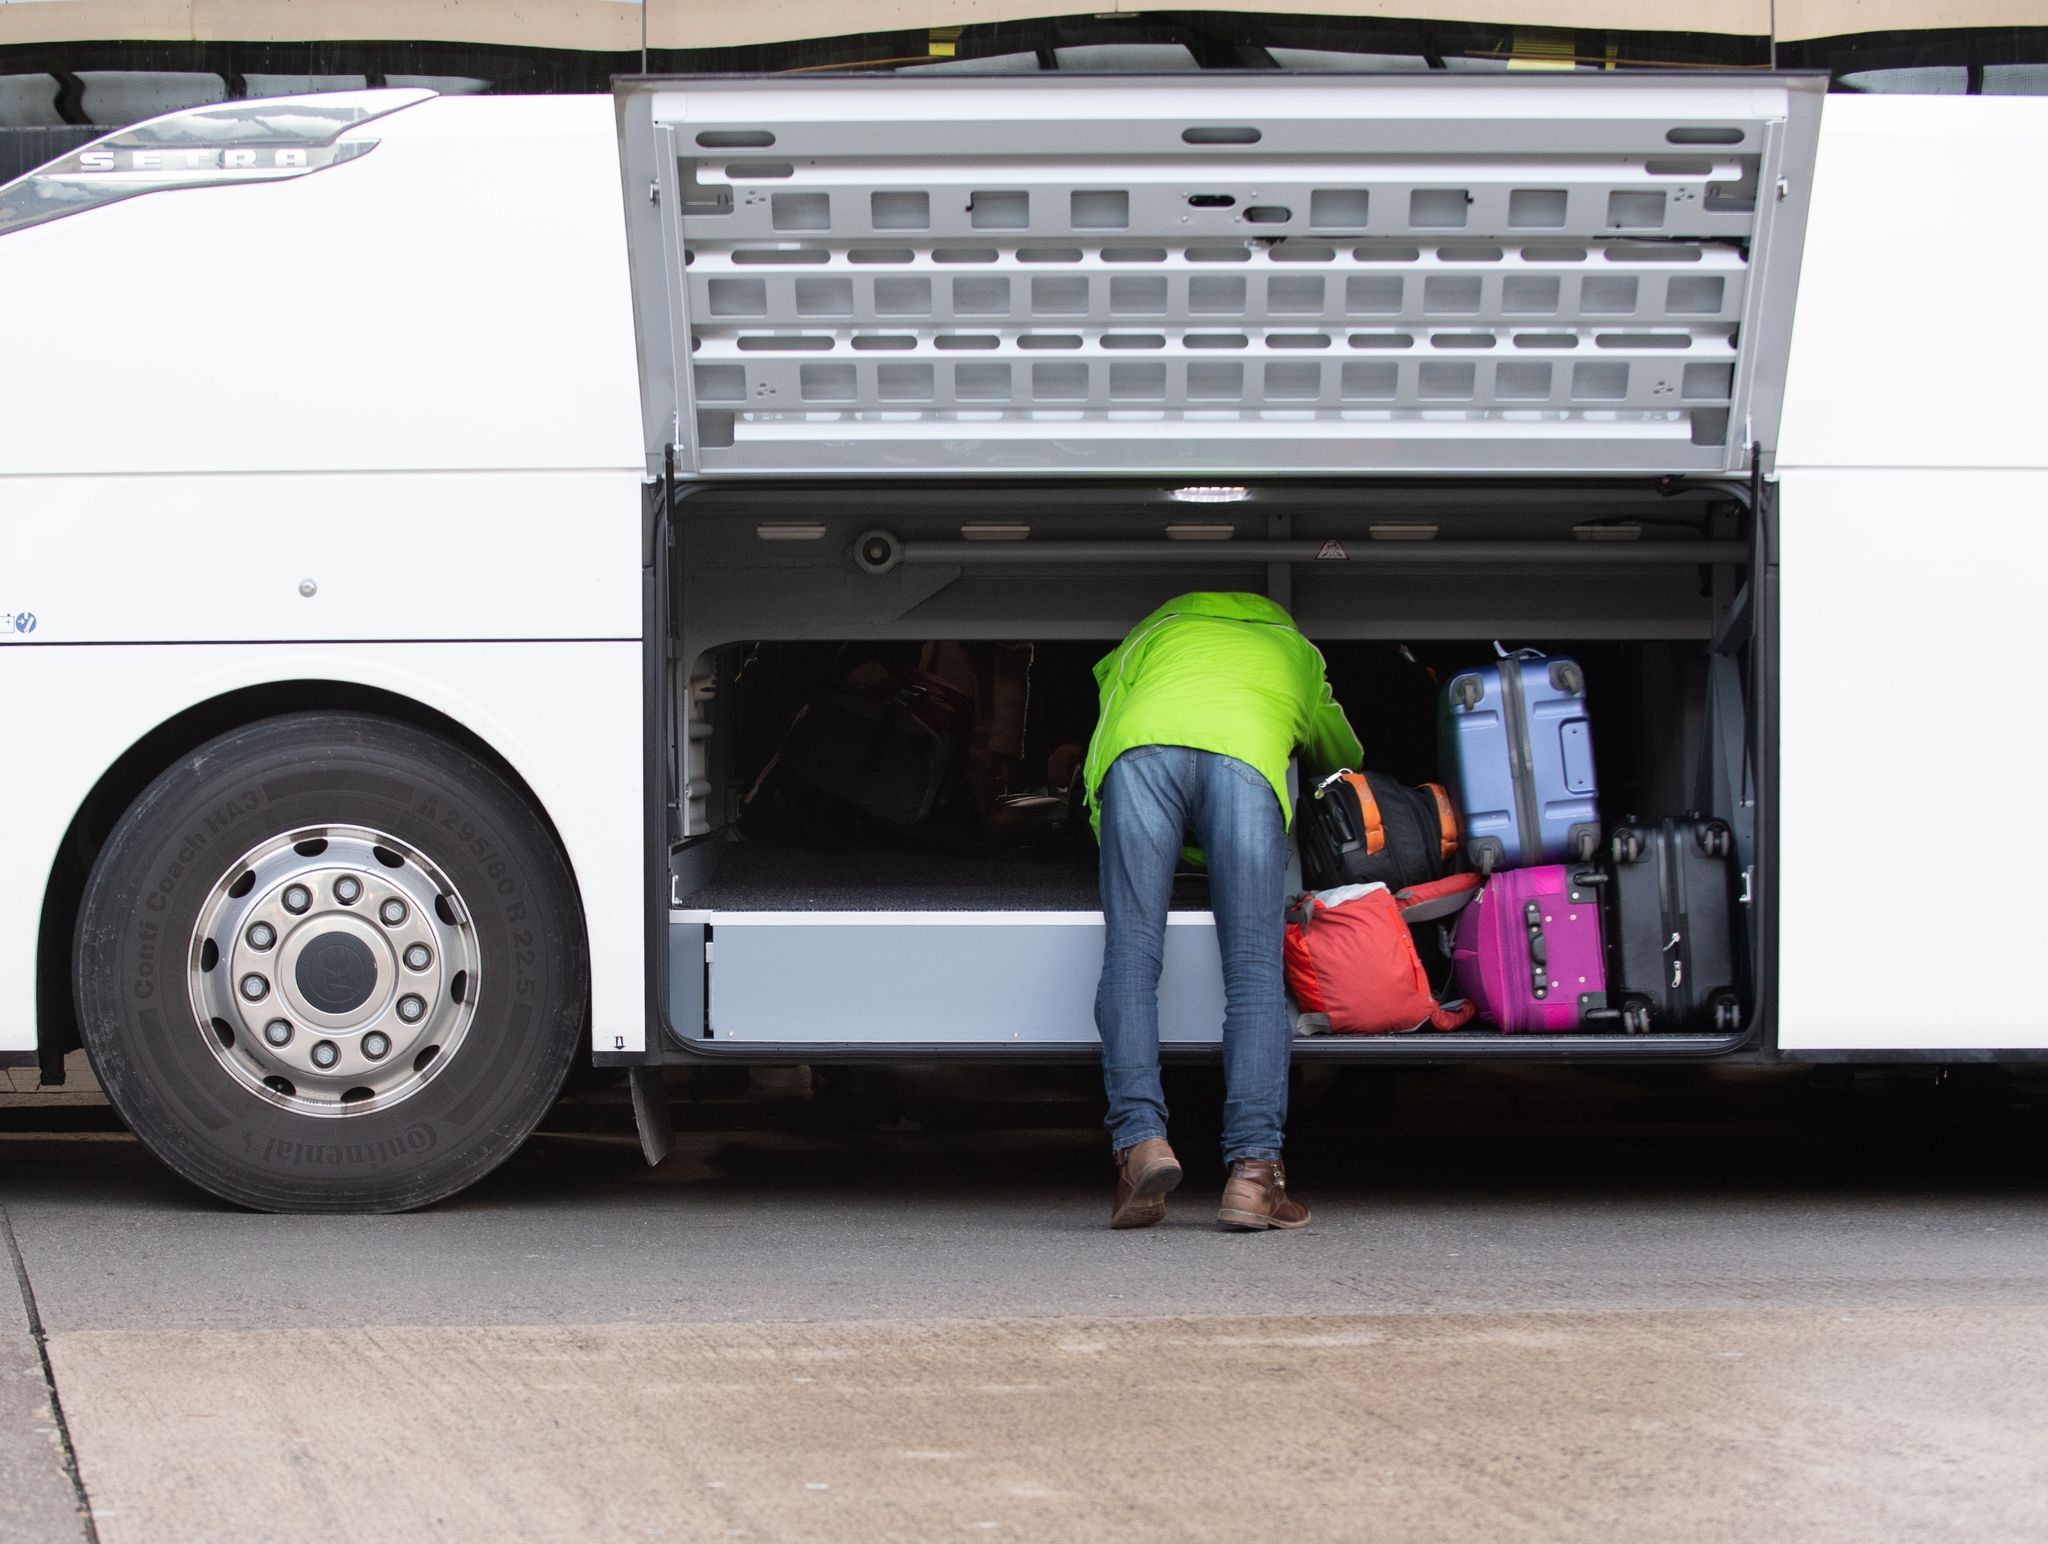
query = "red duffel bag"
x=1351 y=961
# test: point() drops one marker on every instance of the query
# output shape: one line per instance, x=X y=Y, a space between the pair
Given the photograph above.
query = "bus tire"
x=330 y=962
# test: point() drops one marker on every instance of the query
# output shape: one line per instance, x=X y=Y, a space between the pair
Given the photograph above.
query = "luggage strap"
x=1446 y=820
x=1453 y=1015
x=1439 y=898
x=1374 y=834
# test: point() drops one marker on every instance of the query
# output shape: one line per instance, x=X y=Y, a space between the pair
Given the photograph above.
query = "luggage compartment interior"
x=780 y=594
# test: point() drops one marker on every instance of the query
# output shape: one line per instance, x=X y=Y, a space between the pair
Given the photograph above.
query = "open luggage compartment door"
x=1216 y=275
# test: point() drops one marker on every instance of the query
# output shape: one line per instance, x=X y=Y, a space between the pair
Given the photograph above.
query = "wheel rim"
x=333 y=970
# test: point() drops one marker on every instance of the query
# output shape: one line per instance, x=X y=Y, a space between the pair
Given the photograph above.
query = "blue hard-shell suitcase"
x=1517 y=751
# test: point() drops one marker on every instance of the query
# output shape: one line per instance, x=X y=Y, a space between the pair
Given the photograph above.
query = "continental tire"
x=330 y=962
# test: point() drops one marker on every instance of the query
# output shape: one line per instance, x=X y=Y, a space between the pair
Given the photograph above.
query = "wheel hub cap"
x=335 y=974
x=334 y=969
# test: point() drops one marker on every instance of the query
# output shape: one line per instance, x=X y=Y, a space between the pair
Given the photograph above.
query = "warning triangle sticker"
x=1332 y=551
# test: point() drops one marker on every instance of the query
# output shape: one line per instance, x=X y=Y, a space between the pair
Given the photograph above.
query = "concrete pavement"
x=38 y=1494
x=1533 y=1306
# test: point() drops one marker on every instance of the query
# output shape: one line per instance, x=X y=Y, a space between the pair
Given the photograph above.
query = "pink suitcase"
x=1529 y=951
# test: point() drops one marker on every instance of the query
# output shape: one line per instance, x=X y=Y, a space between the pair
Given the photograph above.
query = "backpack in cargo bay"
x=1351 y=962
x=1515 y=743
x=1359 y=828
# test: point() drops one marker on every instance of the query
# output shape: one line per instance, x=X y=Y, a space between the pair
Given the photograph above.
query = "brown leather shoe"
x=1255 y=1196
x=1145 y=1172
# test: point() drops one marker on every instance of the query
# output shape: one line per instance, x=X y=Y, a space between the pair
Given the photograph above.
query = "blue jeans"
x=1152 y=797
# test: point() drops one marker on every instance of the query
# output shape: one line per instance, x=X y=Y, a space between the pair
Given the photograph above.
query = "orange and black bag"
x=1361 y=828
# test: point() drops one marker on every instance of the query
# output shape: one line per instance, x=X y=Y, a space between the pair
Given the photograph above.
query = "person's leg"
x=1144 y=818
x=1238 y=820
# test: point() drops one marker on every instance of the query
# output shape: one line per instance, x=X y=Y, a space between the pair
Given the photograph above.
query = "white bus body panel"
x=456 y=298
x=1914 y=469
x=409 y=379
x=566 y=716
x=415 y=556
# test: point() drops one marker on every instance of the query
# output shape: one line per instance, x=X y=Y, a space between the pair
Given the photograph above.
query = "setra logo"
x=191 y=159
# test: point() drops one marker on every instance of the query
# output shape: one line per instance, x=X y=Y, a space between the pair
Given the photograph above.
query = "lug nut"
x=297 y=898
x=326 y=1054
x=255 y=988
x=278 y=1032
x=348 y=889
x=392 y=911
x=376 y=1045
x=418 y=957
x=261 y=935
x=412 y=1009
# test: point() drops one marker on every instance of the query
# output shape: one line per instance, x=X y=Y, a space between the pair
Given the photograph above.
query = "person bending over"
x=1203 y=705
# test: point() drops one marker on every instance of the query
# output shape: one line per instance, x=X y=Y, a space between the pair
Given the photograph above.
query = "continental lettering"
x=145 y=961
x=415 y=1141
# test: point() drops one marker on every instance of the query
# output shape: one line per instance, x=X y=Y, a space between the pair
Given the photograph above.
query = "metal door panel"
x=1216 y=276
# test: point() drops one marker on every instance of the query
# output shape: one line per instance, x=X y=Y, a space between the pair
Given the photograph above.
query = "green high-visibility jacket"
x=1220 y=672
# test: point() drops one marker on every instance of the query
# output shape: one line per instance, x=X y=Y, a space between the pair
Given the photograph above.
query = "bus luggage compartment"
x=790 y=931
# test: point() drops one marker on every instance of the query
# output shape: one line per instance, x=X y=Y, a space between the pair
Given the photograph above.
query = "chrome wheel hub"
x=333 y=970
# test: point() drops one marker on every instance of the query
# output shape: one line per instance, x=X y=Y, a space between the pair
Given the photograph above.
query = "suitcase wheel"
x=1584 y=845
x=1716 y=840
x=1467 y=691
x=1635 y=1019
x=1566 y=676
x=1727 y=1015
x=1628 y=845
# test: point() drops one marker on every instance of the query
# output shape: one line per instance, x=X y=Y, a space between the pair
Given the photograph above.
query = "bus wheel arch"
x=160 y=748
x=331 y=961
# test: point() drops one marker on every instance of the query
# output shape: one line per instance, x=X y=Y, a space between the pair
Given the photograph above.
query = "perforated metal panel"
x=1217 y=275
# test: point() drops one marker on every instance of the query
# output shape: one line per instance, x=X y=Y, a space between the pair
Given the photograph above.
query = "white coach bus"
x=419 y=516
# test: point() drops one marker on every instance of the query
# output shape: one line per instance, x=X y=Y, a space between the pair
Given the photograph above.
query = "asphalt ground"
x=1534 y=1304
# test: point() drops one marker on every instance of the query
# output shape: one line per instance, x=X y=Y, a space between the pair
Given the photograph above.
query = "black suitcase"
x=1359 y=827
x=1674 y=951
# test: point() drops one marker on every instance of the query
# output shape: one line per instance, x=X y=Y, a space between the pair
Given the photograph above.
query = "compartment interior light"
x=1211 y=493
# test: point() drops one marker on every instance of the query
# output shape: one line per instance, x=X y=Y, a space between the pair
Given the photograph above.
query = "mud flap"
x=651 y=1114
